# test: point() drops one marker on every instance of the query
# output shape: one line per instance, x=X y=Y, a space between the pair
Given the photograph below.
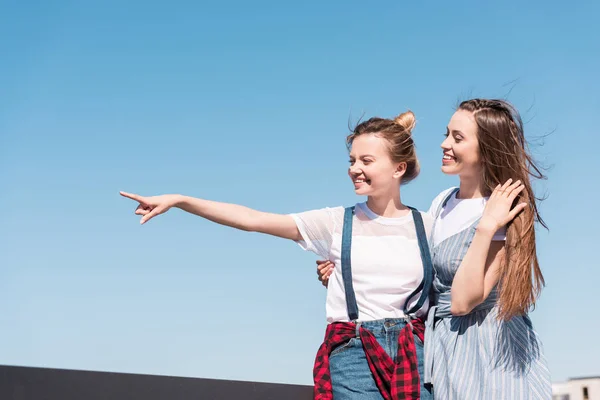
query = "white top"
x=386 y=261
x=456 y=216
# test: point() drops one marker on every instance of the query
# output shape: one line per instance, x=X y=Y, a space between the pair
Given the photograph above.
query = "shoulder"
x=324 y=210
x=437 y=201
x=319 y=214
x=427 y=217
x=428 y=221
x=444 y=193
x=320 y=223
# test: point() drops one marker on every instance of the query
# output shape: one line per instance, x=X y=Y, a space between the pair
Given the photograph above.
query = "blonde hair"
x=398 y=133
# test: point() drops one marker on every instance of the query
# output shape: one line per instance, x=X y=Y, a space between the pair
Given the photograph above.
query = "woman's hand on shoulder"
x=324 y=271
x=499 y=209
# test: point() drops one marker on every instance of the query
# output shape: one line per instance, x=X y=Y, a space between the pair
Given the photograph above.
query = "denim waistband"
x=383 y=326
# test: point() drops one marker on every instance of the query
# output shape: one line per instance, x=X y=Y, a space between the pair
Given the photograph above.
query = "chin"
x=450 y=170
x=362 y=192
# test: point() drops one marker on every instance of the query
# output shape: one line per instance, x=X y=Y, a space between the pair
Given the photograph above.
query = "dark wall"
x=26 y=383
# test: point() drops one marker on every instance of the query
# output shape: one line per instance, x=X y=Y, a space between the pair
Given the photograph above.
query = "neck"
x=470 y=188
x=387 y=206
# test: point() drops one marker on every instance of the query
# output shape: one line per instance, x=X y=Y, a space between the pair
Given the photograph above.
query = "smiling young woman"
x=373 y=346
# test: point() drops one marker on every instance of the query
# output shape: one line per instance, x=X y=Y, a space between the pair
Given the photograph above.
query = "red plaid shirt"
x=399 y=380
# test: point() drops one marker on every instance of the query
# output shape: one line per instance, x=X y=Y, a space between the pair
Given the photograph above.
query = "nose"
x=354 y=170
x=446 y=144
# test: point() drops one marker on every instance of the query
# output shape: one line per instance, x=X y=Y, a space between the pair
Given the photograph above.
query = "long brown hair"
x=398 y=133
x=505 y=154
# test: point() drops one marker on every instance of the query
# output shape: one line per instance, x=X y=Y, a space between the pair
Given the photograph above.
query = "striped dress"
x=476 y=356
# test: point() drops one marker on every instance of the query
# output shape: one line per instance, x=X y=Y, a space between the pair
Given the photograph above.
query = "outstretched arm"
x=232 y=215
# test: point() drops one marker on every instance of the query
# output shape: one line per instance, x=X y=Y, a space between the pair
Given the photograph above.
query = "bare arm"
x=478 y=272
x=241 y=217
x=232 y=215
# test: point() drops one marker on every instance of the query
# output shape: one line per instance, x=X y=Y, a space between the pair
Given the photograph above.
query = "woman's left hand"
x=497 y=212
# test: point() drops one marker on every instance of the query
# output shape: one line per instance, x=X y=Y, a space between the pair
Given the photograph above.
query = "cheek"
x=469 y=154
x=474 y=156
x=382 y=173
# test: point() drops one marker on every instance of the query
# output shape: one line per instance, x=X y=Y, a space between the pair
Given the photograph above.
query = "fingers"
x=506 y=184
x=510 y=189
x=324 y=271
x=150 y=215
x=501 y=189
x=515 y=192
x=513 y=186
x=142 y=210
x=496 y=192
x=324 y=265
x=515 y=211
x=325 y=279
x=146 y=218
x=139 y=199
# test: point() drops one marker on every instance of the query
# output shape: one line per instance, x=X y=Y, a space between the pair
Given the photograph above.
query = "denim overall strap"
x=351 y=305
x=425 y=285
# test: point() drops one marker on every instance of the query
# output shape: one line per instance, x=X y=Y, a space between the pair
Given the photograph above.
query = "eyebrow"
x=363 y=156
x=454 y=131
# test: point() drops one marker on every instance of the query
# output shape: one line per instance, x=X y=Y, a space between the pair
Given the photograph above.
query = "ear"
x=400 y=170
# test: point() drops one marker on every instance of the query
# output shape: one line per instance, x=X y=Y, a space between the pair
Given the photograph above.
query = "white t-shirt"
x=386 y=261
x=457 y=215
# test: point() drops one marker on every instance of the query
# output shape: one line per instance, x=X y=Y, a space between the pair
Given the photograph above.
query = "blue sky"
x=250 y=103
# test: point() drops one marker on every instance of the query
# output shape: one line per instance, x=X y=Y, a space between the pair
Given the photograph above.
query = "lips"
x=361 y=181
x=447 y=159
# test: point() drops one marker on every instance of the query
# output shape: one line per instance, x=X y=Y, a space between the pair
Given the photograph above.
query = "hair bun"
x=406 y=120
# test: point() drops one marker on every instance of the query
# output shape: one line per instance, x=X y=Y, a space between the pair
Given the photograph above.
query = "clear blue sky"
x=249 y=103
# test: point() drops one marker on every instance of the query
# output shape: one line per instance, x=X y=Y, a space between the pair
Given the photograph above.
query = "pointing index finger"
x=132 y=196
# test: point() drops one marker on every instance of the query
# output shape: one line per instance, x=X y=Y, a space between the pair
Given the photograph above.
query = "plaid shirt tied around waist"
x=395 y=380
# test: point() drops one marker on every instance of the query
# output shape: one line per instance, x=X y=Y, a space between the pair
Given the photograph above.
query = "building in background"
x=585 y=388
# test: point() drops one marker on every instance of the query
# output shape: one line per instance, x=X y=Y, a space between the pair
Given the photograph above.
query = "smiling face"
x=461 y=146
x=372 y=169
